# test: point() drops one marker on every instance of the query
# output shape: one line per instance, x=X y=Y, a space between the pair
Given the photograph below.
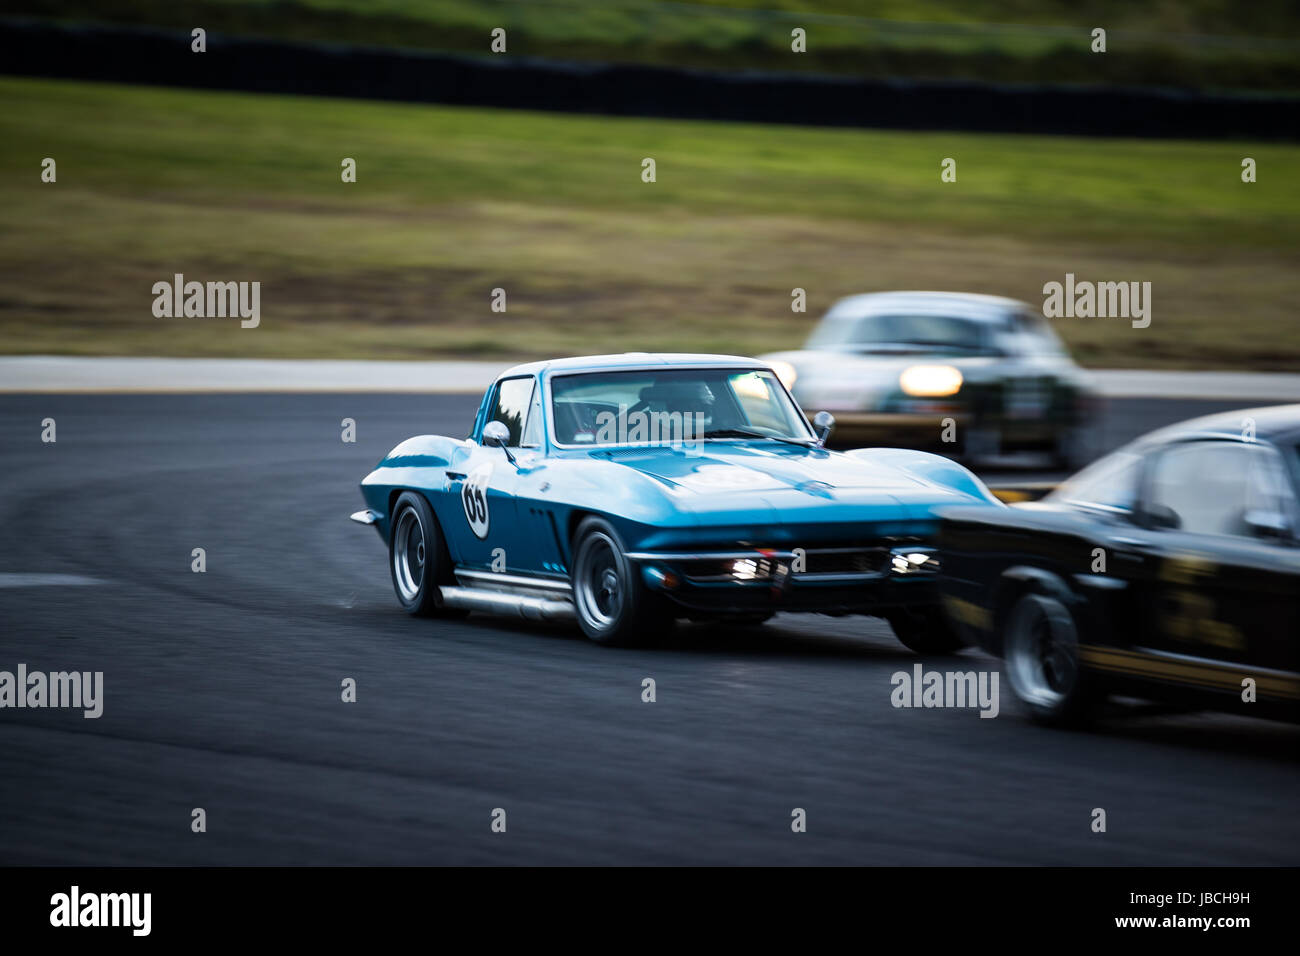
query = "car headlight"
x=903 y=561
x=786 y=372
x=751 y=569
x=930 y=381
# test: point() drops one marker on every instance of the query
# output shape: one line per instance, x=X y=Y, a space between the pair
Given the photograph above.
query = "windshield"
x=671 y=406
x=899 y=333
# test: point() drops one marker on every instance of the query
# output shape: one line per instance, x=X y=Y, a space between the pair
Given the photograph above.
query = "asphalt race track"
x=222 y=690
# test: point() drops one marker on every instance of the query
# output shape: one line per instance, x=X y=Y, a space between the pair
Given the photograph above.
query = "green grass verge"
x=451 y=203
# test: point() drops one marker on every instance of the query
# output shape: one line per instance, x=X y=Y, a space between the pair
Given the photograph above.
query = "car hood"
x=794 y=484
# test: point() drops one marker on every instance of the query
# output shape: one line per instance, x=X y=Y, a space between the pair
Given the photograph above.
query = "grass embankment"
x=451 y=203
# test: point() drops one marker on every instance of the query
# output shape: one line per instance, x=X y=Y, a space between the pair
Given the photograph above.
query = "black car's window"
x=510 y=407
x=937 y=333
x=1111 y=483
x=1271 y=490
x=1208 y=487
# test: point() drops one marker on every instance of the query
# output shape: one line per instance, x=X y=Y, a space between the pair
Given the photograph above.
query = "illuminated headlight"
x=915 y=561
x=930 y=381
x=751 y=569
x=786 y=372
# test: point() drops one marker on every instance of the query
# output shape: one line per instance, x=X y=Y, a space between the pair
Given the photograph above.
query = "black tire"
x=613 y=605
x=417 y=558
x=925 y=631
x=1040 y=650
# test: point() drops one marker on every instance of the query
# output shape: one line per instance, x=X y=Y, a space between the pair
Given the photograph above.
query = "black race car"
x=1169 y=570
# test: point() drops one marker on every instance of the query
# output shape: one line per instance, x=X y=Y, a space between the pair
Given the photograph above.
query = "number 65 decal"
x=473 y=495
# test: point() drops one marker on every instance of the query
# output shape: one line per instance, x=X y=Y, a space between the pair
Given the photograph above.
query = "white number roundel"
x=474 y=496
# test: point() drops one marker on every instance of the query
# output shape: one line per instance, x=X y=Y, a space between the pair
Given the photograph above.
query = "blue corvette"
x=631 y=490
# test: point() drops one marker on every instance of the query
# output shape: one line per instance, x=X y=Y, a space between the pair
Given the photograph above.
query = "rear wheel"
x=613 y=604
x=925 y=631
x=1040 y=645
x=418 y=558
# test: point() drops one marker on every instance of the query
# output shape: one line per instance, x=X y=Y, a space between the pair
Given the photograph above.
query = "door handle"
x=454 y=475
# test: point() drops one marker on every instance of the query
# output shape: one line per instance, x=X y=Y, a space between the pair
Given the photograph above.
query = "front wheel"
x=925 y=631
x=417 y=557
x=1041 y=648
x=613 y=605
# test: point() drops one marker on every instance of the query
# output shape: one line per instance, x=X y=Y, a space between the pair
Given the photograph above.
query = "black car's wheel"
x=417 y=557
x=613 y=604
x=1040 y=644
x=925 y=631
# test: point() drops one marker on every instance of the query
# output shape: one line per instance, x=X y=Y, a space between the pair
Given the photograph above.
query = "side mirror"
x=497 y=435
x=823 y=422
x=1268 y=524
x=1162 y=516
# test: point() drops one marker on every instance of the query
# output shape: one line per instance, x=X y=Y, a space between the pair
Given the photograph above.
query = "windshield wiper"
x=749 y=433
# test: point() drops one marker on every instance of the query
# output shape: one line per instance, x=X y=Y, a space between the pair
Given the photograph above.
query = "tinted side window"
x=1207 y=487
x=510 y=407
x=1111 y=483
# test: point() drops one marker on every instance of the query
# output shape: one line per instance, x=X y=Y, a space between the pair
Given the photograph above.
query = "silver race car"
x=972 y=376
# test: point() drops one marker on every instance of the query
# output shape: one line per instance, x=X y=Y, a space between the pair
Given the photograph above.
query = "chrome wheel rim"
x=1042 y=652
x=598 y=581
x=408 y=555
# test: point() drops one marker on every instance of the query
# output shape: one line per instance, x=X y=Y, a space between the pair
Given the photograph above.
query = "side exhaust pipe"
x=528 y=607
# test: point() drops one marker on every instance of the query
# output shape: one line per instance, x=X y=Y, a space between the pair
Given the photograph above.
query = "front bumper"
x=871 y=579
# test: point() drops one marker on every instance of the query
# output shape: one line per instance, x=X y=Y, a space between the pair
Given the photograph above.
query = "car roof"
x=964 y=305
x=1272 y=423
x=632 y=360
